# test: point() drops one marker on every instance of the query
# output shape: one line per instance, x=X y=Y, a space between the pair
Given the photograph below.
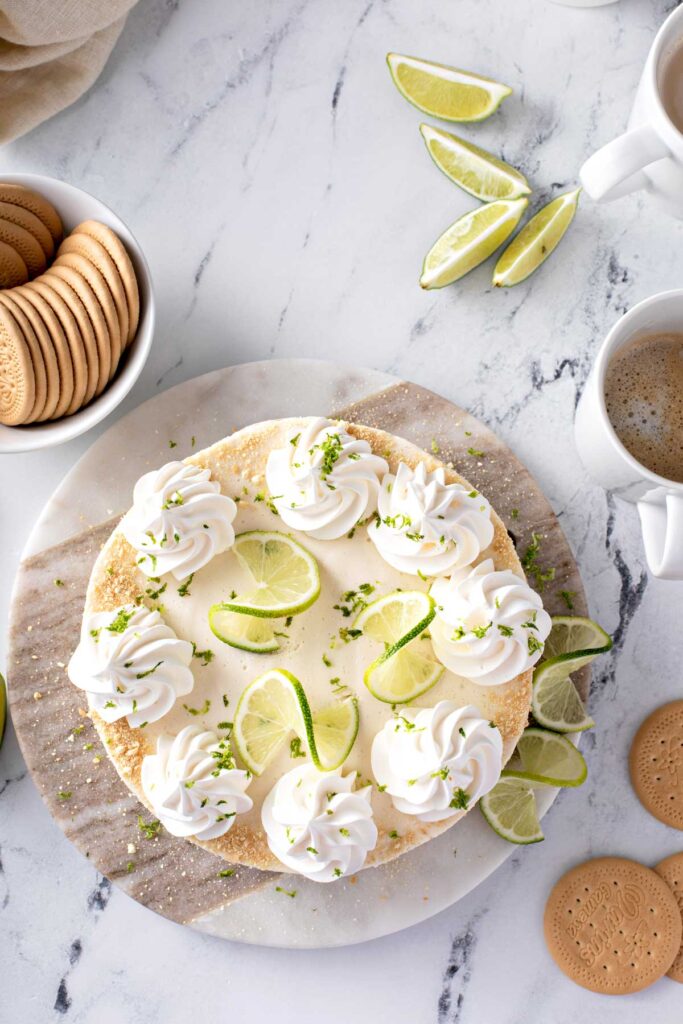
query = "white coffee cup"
x=650 y=154
x=659 y=501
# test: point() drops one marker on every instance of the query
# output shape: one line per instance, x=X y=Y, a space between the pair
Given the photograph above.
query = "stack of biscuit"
x=65 y=319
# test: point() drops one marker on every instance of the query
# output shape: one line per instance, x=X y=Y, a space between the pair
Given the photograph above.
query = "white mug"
x=650 y=154
x=659 y=501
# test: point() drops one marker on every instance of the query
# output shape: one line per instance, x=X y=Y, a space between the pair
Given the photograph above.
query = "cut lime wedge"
x=445 y=92
x=536 y=241
x=470 y=241
x=510 y=810
x=274 y=706
x=573 y=636
x=246 y=632
x=555 y=702
x=397 y=618
x=286 y=575
x=547 y=758
x=473 y=169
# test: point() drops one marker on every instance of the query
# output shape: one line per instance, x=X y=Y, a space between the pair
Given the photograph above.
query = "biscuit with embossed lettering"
x=671 y=871
x=613 y=925
x=656 y=764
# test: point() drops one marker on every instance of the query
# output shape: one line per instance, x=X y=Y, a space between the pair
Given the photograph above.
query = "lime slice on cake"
x=510 y=810
x=445 y=92
x=547 y=758
x=470 y=241
x=246 y=632
x=536 y=240
x=274 y=706
x=573 y=642
x=286 y=575
x=407 y=667
x=473 y=169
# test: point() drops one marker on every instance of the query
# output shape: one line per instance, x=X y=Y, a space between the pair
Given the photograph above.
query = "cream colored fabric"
x=51 y=52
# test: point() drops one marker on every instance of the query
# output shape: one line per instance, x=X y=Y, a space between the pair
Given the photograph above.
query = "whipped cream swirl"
x=193 y=785
x=324 y=481
x=428 y=526
x=436 y=762
x=179 y=520
x=317 y=825
x=131 y=664
x=489 y=625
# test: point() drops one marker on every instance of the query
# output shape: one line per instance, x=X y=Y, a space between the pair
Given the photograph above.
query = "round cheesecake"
x=156 y=595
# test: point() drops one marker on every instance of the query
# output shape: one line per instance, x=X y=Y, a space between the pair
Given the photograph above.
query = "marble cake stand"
x=60 y=745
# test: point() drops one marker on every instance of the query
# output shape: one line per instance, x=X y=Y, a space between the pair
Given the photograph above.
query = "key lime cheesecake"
x=309 y=647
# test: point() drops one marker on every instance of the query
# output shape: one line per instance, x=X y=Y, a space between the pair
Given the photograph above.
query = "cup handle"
x=616 y=169
x=662 y=523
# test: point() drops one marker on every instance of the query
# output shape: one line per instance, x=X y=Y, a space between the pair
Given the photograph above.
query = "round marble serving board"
x=100 y=816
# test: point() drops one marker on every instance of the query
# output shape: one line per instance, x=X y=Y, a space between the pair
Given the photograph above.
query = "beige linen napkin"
x=51 y=51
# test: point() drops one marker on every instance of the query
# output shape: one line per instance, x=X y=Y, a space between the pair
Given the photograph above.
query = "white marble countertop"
x=279 y=187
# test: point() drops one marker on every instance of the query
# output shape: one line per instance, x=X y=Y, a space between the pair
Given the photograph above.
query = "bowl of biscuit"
x=76 y=311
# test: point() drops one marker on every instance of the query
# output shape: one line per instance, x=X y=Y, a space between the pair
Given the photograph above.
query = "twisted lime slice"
x=510 y=810
x=246 y=632
x=536 y=241
x=473 y=169
x=470 y=241
x=573 y=642
x=286 y=575
x=274 y=707
x=547 y=758
x=445 y=92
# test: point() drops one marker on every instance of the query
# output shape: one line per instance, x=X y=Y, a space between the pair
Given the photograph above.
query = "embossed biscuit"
x=13 y=270
x=671 y=871
x=92 y=250
x=116 y=249
x=14 y=297
x=25 y=244
x=35 y=204
x=656 y=764
x=84 y=296
x=93 y=276
x=17 y=377
x=81 y=375
x=36 y=353
x=36 y=308
x=34 y=225
x=612 y=925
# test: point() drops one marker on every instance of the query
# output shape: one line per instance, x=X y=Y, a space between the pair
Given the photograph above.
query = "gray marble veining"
x=279 y=187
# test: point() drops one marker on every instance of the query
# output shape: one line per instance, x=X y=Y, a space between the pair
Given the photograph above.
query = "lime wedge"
x=3 y=708
x=470 y=241
x=573 y=636
x=407 y=667
x=246 y=632
x=547 y=758
x=510 y=810
x=397 y=618
x=286 y=575
x=536 y=240
x=274 y=706
x=555 y=702
x=473 y=169
x=445 y=92
x=403 y=676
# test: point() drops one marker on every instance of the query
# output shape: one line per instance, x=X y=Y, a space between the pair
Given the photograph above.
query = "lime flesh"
x=510 y=810
x=445 y=92
x=480 y=173
x=286 y=575
x=536 y=241
x=245 y=632
x=547 y=758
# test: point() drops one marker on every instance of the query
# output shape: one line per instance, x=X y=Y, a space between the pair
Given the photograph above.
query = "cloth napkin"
x=51 y=52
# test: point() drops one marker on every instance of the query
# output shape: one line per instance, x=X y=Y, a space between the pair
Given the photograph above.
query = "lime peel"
x=547 y=758
x=536 y=241
x=445 y=92
x=473 y=169
x=510 y=810
x=286 y=575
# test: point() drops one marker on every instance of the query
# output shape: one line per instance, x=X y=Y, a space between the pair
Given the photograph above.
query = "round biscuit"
x=25 y=244
x=34 y=203
x=44 y=311
x=34 y=225
x=656 y=764
x=79 y=359
x=99 y=286
x=17 y=377
x=91 y=249
x=612 y=925
x=47 y=347
x=84 y=292
x=671 y=870
x=39 y=370
x=13 y=270
x=117 y=250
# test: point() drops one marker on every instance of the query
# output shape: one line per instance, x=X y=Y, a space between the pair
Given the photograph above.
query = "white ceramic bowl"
x=74 y=205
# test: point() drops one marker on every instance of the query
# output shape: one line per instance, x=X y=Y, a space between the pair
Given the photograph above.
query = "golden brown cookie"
x=612 y=925
x=17 y=377
x=82 y=378
x=83 y=292
x=116 y=249
x=25 y=244
x=671 y=871
x=27 y=220
x=99 y=286
x=31 y=298
x=84 y=327
x=15 y=298
x=35 y=204
x=36 y=354
x=91 y=250
x=13 y=270
x=656 y=764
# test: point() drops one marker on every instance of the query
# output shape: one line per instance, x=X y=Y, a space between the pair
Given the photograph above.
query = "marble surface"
x=63 y=751
x=279 y=188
